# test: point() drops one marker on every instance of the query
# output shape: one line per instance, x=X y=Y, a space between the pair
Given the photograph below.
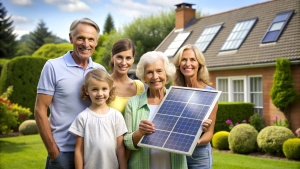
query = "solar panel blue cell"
x=172 y=108
x=205 y=98
x=187 y=126
x=179 y=95
x=179 y=142
x=195 y=111
x=156 y=139
x=164 y=122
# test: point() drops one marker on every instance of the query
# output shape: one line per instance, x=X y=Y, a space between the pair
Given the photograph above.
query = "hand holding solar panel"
x=178 y=120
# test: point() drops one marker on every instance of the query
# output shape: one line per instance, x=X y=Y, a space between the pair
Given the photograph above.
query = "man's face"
x=84 y=41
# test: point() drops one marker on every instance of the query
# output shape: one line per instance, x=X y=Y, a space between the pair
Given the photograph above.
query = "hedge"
x=51 y=50
x=234 y=111
x=23 y=74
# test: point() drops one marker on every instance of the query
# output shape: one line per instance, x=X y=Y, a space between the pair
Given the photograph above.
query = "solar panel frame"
x=171 y=143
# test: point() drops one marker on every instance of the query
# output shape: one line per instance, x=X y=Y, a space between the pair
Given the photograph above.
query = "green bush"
x=283 y=93
x=28 y=127
x=291 y=148
x=23 y=73
x=11 y=114
x=242 y=139
x=234 y=111
x=257 y=122
x=2 y=63
x=220 y=140
x=270 y=139
x=51 y=50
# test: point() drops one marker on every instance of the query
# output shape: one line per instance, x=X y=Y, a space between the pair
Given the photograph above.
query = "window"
x=277 y=26
x=207 y=36
x=242 y=89
x=223 y=86
x=256 y=96
x=238 y=34
x=176 y=44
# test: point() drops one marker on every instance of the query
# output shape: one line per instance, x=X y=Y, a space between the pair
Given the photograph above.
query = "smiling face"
x=155 y=75
x=189 y=64
x=98 y=91
x=123 y=61
x=84 y=41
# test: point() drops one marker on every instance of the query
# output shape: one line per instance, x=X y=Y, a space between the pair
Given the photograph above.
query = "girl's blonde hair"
x=100 y=75
x=202 y=74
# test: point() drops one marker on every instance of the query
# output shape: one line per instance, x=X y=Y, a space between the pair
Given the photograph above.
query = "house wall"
x=269 y=110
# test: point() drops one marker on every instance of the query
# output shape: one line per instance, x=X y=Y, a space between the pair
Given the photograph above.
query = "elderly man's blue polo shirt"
x=62 y=78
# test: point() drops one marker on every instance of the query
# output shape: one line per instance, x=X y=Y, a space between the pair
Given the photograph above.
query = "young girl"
x=99 y=129
x=122 y=58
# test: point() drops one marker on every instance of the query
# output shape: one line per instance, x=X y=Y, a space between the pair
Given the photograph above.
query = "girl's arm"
x=79 y=153
x=121 y=153
x=207 y=136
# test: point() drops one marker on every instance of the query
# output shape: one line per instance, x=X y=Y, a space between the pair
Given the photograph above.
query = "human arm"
x=145 y=127
x=79 y=152
x=206 y=124
x=40 y=113
x=207 y=136
x=121 y=152
x=133 y=115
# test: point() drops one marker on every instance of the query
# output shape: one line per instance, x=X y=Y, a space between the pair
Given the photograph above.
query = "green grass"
x=28 y=152
x=22 y=152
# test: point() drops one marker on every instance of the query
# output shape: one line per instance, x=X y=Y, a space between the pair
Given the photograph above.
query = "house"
x=241 y=47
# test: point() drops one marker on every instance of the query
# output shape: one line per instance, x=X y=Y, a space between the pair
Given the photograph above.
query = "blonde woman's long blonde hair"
x=202 y=74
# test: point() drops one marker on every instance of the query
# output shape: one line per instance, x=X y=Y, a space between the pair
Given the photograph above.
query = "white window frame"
x=247 y=84
x=262 y=89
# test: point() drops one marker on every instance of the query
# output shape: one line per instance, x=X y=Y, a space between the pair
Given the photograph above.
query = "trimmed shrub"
x=270 y=139
x=242 y=139
x=220 y=140
x=23 y=73
x=51 y=50
x=234 y=111
x=28 y=127
x=2 y=63
x=291 y=148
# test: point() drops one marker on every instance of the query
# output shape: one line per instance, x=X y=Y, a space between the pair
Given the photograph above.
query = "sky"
x=59 y=14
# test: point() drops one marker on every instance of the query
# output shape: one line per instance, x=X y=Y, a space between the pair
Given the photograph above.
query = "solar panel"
x=178 y=119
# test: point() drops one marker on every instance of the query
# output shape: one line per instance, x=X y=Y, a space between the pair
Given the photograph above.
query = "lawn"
x=27 y=152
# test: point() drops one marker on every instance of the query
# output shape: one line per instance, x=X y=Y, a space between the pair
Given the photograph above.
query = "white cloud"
x=164 y=3
x=132 y=9
x=22 y=2
x=20 y=33
x=70 y=5
x=20 y=19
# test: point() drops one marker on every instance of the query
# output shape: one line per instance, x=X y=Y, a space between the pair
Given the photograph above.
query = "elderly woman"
x=155 y=70
x=192 y=72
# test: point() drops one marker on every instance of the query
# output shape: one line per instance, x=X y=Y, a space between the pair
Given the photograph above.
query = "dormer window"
x=238 y=34
x=207 y=36
x=176 y=44
x=277 y=26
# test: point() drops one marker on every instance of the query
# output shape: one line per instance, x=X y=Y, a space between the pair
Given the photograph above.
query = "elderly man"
x=59 y=89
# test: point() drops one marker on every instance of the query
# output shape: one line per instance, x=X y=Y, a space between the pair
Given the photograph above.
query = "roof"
x=252 y=51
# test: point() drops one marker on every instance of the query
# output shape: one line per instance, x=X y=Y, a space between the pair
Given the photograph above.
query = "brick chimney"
x=184 y=13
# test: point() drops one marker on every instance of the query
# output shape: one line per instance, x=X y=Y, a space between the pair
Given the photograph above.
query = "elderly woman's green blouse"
x=135 y=111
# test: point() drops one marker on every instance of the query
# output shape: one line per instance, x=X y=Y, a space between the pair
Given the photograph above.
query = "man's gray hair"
x=151 y=57
x=84 y=21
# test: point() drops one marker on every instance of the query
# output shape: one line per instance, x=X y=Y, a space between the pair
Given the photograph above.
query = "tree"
x=148 y=32
x=109 y=24
x=283 y=92
x=8 y=41
x=39 y=37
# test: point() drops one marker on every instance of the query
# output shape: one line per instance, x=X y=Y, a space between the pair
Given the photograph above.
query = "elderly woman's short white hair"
x=151 y=57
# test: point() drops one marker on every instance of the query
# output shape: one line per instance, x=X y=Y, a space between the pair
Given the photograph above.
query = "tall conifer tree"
x=109 y=24
x=39 y=37
x=8 y=41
